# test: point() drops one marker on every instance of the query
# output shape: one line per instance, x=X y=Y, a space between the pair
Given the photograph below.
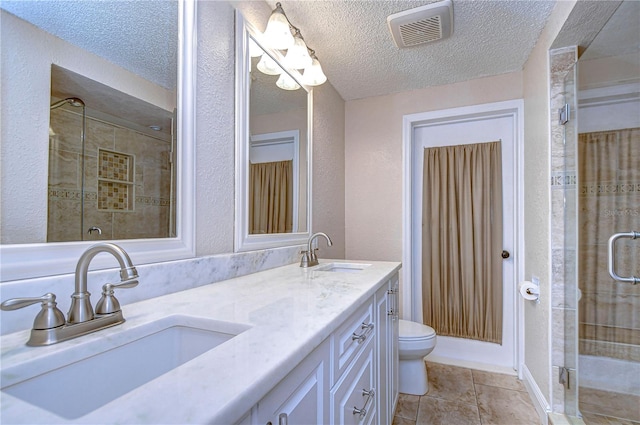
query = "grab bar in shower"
x=610 y=263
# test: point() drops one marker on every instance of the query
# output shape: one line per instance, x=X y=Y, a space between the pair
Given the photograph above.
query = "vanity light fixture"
x=269 y=66
x=286 y=82
x=278 y=35
x=297 y=55
x=313 y=75
x=254 y=50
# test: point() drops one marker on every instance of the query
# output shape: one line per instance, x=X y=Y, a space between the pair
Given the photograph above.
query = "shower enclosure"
x=608 y=219
x=109 y=178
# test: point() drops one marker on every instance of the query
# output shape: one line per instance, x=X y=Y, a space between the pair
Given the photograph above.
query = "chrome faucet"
x=50 y=325
x=309 y=257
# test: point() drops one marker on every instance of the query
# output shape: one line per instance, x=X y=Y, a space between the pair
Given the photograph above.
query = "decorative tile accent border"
x=65 y=194
x=564 y=179
x=597 y=189
x=61 y=194
x=156 y=202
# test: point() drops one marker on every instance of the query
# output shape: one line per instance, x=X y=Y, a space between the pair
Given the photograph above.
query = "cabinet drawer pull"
x=367 y=327
x=283 y=419
x=365 y=393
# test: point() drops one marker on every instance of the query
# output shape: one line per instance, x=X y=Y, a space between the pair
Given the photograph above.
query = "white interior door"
x=460 y=130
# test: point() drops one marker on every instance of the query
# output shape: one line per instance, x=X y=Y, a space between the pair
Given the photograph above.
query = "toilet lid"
x=414 y=330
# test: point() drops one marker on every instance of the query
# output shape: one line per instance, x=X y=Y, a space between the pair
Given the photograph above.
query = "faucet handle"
x=49 y=316
x=304 y=261
x=108 y=303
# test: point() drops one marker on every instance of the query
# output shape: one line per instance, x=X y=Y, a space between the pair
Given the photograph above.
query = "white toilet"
x=414 y=343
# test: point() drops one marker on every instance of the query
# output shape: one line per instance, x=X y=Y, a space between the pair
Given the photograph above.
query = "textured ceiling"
x=140 y=36
x=359 y=57
x=619 y=36
x=350 y=37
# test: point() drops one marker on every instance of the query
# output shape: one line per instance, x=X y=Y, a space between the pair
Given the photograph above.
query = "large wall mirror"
x=273 y=147
x=97 y=132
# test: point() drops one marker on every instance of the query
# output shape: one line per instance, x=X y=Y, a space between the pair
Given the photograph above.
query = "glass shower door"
x=609 y=264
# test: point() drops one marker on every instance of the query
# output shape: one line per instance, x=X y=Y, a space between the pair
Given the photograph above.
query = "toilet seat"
x=413 y=331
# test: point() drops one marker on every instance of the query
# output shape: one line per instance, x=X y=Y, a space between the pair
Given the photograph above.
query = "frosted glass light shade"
x=298 y=55
x=277 y=34
x=254 y=50
x=286 y=82
x=269 y=66
x=313 y=75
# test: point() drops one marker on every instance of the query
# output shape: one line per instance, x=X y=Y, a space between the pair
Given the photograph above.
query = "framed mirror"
x=85 y=83
x=273 y=147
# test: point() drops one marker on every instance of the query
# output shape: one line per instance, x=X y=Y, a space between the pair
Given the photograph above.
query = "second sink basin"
x=78 y=388
x=342 y=267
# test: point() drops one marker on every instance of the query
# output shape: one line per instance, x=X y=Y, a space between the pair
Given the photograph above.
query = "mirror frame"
x=243 y=240
x=24 y=261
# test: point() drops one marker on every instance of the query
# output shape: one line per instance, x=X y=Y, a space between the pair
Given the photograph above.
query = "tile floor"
x=460 y=396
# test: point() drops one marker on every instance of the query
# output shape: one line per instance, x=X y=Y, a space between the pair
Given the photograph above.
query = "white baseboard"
x=470 y=364
x=539 y=401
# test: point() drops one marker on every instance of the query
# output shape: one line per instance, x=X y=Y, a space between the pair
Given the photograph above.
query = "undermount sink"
x=78 y=388
x=342 y=267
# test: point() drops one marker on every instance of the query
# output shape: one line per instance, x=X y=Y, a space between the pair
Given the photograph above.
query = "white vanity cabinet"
x=351 y=378
x=387 y=316
x=300 y=398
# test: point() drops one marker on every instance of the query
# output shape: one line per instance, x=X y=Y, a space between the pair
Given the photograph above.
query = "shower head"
x=73 y=101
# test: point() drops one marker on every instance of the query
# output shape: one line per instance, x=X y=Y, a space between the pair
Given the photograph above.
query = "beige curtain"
x=462 y=241
x=271 y=197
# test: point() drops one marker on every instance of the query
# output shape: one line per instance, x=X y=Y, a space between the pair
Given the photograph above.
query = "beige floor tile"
x=434 y=411
x=408 y=406
x=397 y=420
x=497 y=380
x=451 y=383
x=504 y=406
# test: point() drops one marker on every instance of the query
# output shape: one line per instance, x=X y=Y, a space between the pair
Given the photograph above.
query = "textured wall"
x=329 y=169
x=215 y=126
x=537 y=195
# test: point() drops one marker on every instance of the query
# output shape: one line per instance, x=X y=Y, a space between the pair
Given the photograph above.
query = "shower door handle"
x=610 y=263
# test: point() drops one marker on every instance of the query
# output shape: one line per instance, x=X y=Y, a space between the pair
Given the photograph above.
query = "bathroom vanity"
x=287 y=345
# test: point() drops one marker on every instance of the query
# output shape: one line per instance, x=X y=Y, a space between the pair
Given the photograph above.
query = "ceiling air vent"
x=421 y=25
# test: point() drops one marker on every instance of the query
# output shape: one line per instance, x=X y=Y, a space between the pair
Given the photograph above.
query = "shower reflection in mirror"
x=111 y=170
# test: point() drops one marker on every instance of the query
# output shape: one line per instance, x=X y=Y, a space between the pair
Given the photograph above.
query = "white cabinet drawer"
x=349 y=340
x=353 y=399
x=300 y=397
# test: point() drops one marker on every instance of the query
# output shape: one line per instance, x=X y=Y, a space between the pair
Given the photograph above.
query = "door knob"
x=505 y=254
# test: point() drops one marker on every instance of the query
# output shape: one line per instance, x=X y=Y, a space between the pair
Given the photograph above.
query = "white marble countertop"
x=288 y=311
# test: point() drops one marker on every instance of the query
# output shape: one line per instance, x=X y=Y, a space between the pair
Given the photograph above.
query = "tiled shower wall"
x=609 y=202
x=563 y=182
x=137 y=204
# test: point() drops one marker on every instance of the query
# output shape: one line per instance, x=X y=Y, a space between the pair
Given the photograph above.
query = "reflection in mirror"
x=273 y=147
x=127 y=70
x=111 y=170
x=277 y=153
